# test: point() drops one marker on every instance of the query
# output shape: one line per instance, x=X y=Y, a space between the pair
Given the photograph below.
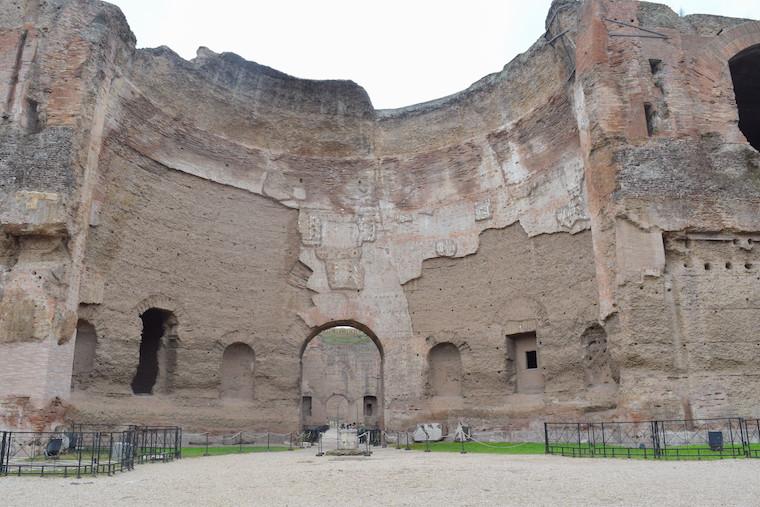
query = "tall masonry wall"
x=596 y=200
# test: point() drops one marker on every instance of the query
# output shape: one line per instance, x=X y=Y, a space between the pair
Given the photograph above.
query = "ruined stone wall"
x=561 y=196
x=59 y=60
x=515 y=284
x=219 y=259
x=684 y=170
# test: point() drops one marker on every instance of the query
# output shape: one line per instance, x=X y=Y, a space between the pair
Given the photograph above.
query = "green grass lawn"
x=195 y=452
x=484 y=448
x=681 y=452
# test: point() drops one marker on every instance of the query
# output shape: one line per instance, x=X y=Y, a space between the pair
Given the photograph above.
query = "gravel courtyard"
x=397 y=477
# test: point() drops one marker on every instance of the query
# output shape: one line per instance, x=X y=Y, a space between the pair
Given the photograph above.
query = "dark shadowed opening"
x=155 y=324
x=306 y=406
x=370 y=405
x=745 y=73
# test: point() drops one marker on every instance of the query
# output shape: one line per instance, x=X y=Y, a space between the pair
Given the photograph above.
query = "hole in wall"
x=745 y=74
x=156 y=325
x=370 y=404
x=651 y=118
x=306 y=406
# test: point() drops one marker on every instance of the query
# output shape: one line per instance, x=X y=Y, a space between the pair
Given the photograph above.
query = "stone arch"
x=444 y=370
x=85 y=344
x=165 y=302
x=337 y=406
x=523 y=313
x=713 y=60
x=736 y=39
x=349 y=323
x=326 y=403
x=238 y=363
x=745 y=76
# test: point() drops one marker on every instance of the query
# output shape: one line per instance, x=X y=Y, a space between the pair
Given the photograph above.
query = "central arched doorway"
x=342 y=378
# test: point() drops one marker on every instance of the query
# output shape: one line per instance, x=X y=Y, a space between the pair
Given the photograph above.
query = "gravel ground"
x=397 y=477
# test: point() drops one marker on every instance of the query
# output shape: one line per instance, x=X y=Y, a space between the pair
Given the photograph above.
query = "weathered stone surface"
x=576 y=196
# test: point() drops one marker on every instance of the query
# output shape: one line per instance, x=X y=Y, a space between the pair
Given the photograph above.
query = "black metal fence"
x=66 y=453
x=158 y=443
x=699 y=439
x=86 y=450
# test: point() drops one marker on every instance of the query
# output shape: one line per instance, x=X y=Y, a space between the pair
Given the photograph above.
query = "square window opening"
x=531 y=360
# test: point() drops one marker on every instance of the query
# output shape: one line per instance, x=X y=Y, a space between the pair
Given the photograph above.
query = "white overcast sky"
x=401 y=51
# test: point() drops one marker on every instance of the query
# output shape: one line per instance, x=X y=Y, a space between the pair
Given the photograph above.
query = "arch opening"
x=745 y=74
x=342 y=377
x=238 y=362
x=157 y=352
x=84 y=354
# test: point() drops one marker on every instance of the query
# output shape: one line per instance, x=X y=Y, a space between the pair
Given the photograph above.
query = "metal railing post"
x=95 y=454
x=110 y=452
x=206 y=453
x=2 y=454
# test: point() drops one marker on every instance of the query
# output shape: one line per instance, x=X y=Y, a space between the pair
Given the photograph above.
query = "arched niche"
x=238 y=361
x=85 y=344
x=445 y=370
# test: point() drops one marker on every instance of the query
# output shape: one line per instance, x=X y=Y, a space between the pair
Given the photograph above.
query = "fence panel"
x=752 y=437
x=66 y=453
x=667 y=439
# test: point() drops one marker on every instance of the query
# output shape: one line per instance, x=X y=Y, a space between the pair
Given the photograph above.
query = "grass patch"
x=672 y=453
x=197 y=452
x=484 y=448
